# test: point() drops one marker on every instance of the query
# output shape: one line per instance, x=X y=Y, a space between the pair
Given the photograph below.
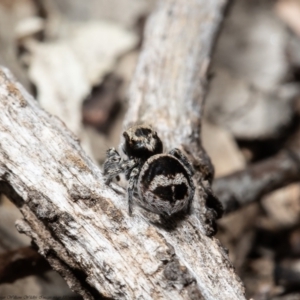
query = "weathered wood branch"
x=247 y=186
x=20 y=263
x=169 y=85
x=170 y=81
x=250 y=185
x=81 y=225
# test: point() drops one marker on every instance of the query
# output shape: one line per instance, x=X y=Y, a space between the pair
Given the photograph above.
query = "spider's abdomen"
x=164 y=185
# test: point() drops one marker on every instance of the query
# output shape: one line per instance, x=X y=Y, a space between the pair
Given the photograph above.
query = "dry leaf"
x=222 y=149
x=289 y=12
x=64 y=71
x=283 y=206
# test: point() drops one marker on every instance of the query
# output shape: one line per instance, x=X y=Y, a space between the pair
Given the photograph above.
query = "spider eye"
x=142 y=132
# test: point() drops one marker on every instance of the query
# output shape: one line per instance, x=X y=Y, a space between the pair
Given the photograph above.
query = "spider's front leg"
x=133 y=177
x=112 y=165
x=183 y=159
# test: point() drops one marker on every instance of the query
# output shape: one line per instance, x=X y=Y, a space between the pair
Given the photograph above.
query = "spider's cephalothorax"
x=163 y=182
x=141 y=142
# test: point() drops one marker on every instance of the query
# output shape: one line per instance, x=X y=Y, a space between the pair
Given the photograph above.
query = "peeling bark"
x=80 y=225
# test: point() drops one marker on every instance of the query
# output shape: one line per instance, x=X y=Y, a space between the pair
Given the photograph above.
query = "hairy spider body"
x=163 y=182
x=164 y=185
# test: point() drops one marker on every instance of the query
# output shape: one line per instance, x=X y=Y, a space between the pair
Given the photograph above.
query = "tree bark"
x=80 y=225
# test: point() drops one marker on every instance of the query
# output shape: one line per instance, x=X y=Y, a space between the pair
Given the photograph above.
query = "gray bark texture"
x=80 y=225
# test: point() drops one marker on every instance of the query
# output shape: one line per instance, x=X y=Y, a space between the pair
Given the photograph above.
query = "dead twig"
x=243 y=187
x=20 y=263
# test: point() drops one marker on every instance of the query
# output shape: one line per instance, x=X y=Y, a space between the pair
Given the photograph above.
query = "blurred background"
x=77 y=59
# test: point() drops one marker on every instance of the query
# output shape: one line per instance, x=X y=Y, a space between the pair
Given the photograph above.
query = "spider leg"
x=112 y=165
x=130 y=188
x=183 y=159
x=188 y=207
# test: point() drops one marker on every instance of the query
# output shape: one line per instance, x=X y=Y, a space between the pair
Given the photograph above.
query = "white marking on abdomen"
x=162 y=180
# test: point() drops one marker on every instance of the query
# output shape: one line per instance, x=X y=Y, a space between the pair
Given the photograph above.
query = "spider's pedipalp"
x=133 y=177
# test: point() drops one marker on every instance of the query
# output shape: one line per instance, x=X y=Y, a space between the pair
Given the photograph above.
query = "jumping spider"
x=162 y=181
